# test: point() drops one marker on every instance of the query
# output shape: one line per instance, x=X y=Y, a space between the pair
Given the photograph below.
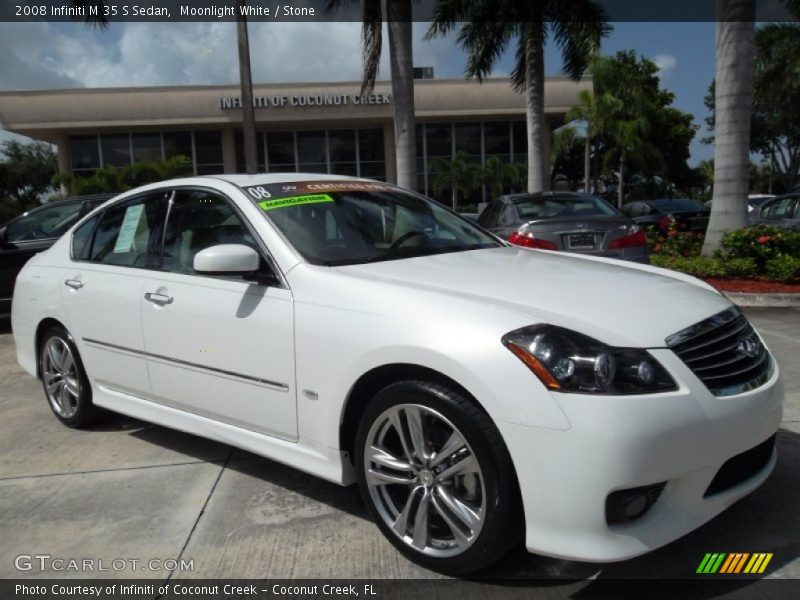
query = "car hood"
x=617 y=303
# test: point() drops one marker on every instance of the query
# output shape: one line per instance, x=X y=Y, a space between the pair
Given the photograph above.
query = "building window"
x=371 y=157
x=311 y=156
x=280 y=152
x=115 y=149
x=178 y=143
x=208 y=152
x=342 y=152
x=261 y=158
x=520 y=134
x=146 y=146
x=84 y=154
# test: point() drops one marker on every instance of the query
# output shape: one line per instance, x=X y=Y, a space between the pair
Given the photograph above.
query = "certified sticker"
x=294 y=201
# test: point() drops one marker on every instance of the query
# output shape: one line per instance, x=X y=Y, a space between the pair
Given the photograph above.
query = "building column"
x=64 y=162
x=388 y=151
x=228 y=150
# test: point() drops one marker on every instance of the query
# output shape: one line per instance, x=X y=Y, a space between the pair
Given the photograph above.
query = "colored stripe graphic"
x=724 y=563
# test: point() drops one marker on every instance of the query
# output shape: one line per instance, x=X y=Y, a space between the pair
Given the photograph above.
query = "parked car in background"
x=565 y=221
x=754 y=201
x=685 y=214
x=478 y=392
x=783 y=212
x=34 y=231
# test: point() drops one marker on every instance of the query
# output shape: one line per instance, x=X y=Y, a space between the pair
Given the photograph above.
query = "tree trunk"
x=534 y=107
x=402 y=64
x=587 y=163
x=246 y=82
x=621 y=183
x=454 y=197
x=733 y=100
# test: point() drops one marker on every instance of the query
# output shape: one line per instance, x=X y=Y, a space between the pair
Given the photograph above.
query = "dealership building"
x=315 y=127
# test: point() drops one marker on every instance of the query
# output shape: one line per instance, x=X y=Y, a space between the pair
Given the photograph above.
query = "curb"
x=777 y=300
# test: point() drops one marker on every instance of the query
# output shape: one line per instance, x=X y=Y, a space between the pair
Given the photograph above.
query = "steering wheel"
x=405 y=237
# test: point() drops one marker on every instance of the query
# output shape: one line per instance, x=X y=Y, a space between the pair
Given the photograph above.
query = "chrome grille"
x=725 y=353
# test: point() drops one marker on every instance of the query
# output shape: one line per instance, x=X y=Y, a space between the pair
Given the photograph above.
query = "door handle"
x=74 y=284
x=159 y=299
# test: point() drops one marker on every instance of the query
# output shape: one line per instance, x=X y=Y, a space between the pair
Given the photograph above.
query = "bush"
x=760 y=243
x=703 y=266
x=674 y=242
x=783 y=268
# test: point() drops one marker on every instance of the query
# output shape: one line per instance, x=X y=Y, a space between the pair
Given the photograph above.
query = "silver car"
x=565 y=221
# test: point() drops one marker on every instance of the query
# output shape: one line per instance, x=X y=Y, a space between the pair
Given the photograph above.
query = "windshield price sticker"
x=297 y=188
x=294 y=201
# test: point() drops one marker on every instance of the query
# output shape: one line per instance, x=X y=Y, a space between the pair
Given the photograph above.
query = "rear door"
x=221 y=347
x=102 y=290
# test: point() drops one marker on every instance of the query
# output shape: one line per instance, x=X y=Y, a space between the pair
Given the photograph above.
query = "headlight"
x=567 y=361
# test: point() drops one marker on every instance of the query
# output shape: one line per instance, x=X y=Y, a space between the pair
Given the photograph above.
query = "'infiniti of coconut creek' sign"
x=279 y=101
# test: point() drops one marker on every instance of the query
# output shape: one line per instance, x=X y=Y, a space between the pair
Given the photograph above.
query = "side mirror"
x=227 y=259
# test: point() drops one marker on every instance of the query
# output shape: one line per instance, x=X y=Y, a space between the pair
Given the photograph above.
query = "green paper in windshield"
x=294 y=201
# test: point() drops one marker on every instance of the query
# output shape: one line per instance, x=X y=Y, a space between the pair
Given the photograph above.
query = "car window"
x=45 y=223
x=198 y=220
x=487 y=217
x=122 y=236
x=781 y=208
x=546 y=207
x=82 y=238
x=508 y=216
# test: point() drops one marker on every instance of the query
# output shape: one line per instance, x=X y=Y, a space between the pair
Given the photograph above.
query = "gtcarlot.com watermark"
x=47 y=562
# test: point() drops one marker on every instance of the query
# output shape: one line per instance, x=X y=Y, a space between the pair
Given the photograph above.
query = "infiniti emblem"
x=748 y=347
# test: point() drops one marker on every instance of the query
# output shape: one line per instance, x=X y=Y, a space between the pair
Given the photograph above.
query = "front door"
x=221 y=347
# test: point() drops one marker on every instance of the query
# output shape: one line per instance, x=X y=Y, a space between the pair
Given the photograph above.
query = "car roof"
x=242 y=180
x=550 y=194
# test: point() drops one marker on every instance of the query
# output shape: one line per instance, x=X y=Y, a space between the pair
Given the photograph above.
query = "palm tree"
x=458 y=174
x=733 y=100
x=246 y=84
x=592 y=110
x=498 y=176
x=399 y=22
x=487 y=27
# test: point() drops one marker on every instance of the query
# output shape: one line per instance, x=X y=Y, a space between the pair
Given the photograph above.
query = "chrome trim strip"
x=280 y=386
x=748 y=385
x=714 y=321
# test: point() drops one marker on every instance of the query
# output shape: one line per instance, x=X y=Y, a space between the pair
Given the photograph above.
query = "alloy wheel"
x=424 y=480
x=61 y=380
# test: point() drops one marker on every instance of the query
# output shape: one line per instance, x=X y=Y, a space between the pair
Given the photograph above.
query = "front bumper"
x=613 y=443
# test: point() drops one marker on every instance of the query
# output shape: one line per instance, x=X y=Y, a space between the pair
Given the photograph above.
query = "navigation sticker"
x=294 y=201
x=130 y=223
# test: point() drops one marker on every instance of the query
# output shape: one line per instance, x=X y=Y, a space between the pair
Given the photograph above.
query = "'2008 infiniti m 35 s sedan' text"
x=477 y=392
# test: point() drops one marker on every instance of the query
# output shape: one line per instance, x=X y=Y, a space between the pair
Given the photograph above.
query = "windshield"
x=548 y=207
x=331 y=227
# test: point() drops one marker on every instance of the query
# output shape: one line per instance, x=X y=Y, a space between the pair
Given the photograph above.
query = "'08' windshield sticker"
x=294 y=201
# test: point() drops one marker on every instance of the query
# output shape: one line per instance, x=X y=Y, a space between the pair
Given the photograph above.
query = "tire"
x=465 y=480
x=64 y=380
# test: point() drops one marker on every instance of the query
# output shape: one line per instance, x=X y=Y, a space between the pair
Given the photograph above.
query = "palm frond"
x=371 y=43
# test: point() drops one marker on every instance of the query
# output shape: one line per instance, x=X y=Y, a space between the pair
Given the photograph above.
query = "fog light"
x=624 y=506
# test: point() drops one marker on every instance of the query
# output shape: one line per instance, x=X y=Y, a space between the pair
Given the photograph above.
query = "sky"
x=68 y=55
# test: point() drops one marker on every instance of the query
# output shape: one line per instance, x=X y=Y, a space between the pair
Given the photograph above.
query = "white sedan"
x=477 y=392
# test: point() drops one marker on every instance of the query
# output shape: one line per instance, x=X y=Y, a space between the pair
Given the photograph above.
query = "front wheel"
x=437 y=477
x=64 y=380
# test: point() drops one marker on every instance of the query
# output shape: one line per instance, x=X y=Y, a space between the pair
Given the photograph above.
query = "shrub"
x=783 y=268
x=703 y=266
x=740 y=268
x=760 y=243
x=674 y=242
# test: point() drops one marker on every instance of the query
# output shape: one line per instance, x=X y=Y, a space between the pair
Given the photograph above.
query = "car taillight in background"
x=527 y=239
x=632 y=240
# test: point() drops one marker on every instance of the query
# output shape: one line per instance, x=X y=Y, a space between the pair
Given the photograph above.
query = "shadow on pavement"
x=768 y=520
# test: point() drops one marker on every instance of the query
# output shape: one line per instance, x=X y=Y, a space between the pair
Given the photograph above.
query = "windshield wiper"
x=406 y=253
x=357 y=261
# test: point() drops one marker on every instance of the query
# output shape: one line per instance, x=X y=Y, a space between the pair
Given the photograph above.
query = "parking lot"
x=126 y=490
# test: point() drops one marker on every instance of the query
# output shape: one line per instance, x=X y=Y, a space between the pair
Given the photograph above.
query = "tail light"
x=666 y=222
x=526 y=239
x=632 y=240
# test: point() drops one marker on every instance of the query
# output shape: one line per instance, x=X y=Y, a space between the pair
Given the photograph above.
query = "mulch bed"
x=753 y=286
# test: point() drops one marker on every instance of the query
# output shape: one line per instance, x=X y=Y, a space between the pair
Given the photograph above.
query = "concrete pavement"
x=132 y=491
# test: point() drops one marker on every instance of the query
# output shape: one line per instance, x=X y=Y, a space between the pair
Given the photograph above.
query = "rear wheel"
x=437 y=477
x=64 y=380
